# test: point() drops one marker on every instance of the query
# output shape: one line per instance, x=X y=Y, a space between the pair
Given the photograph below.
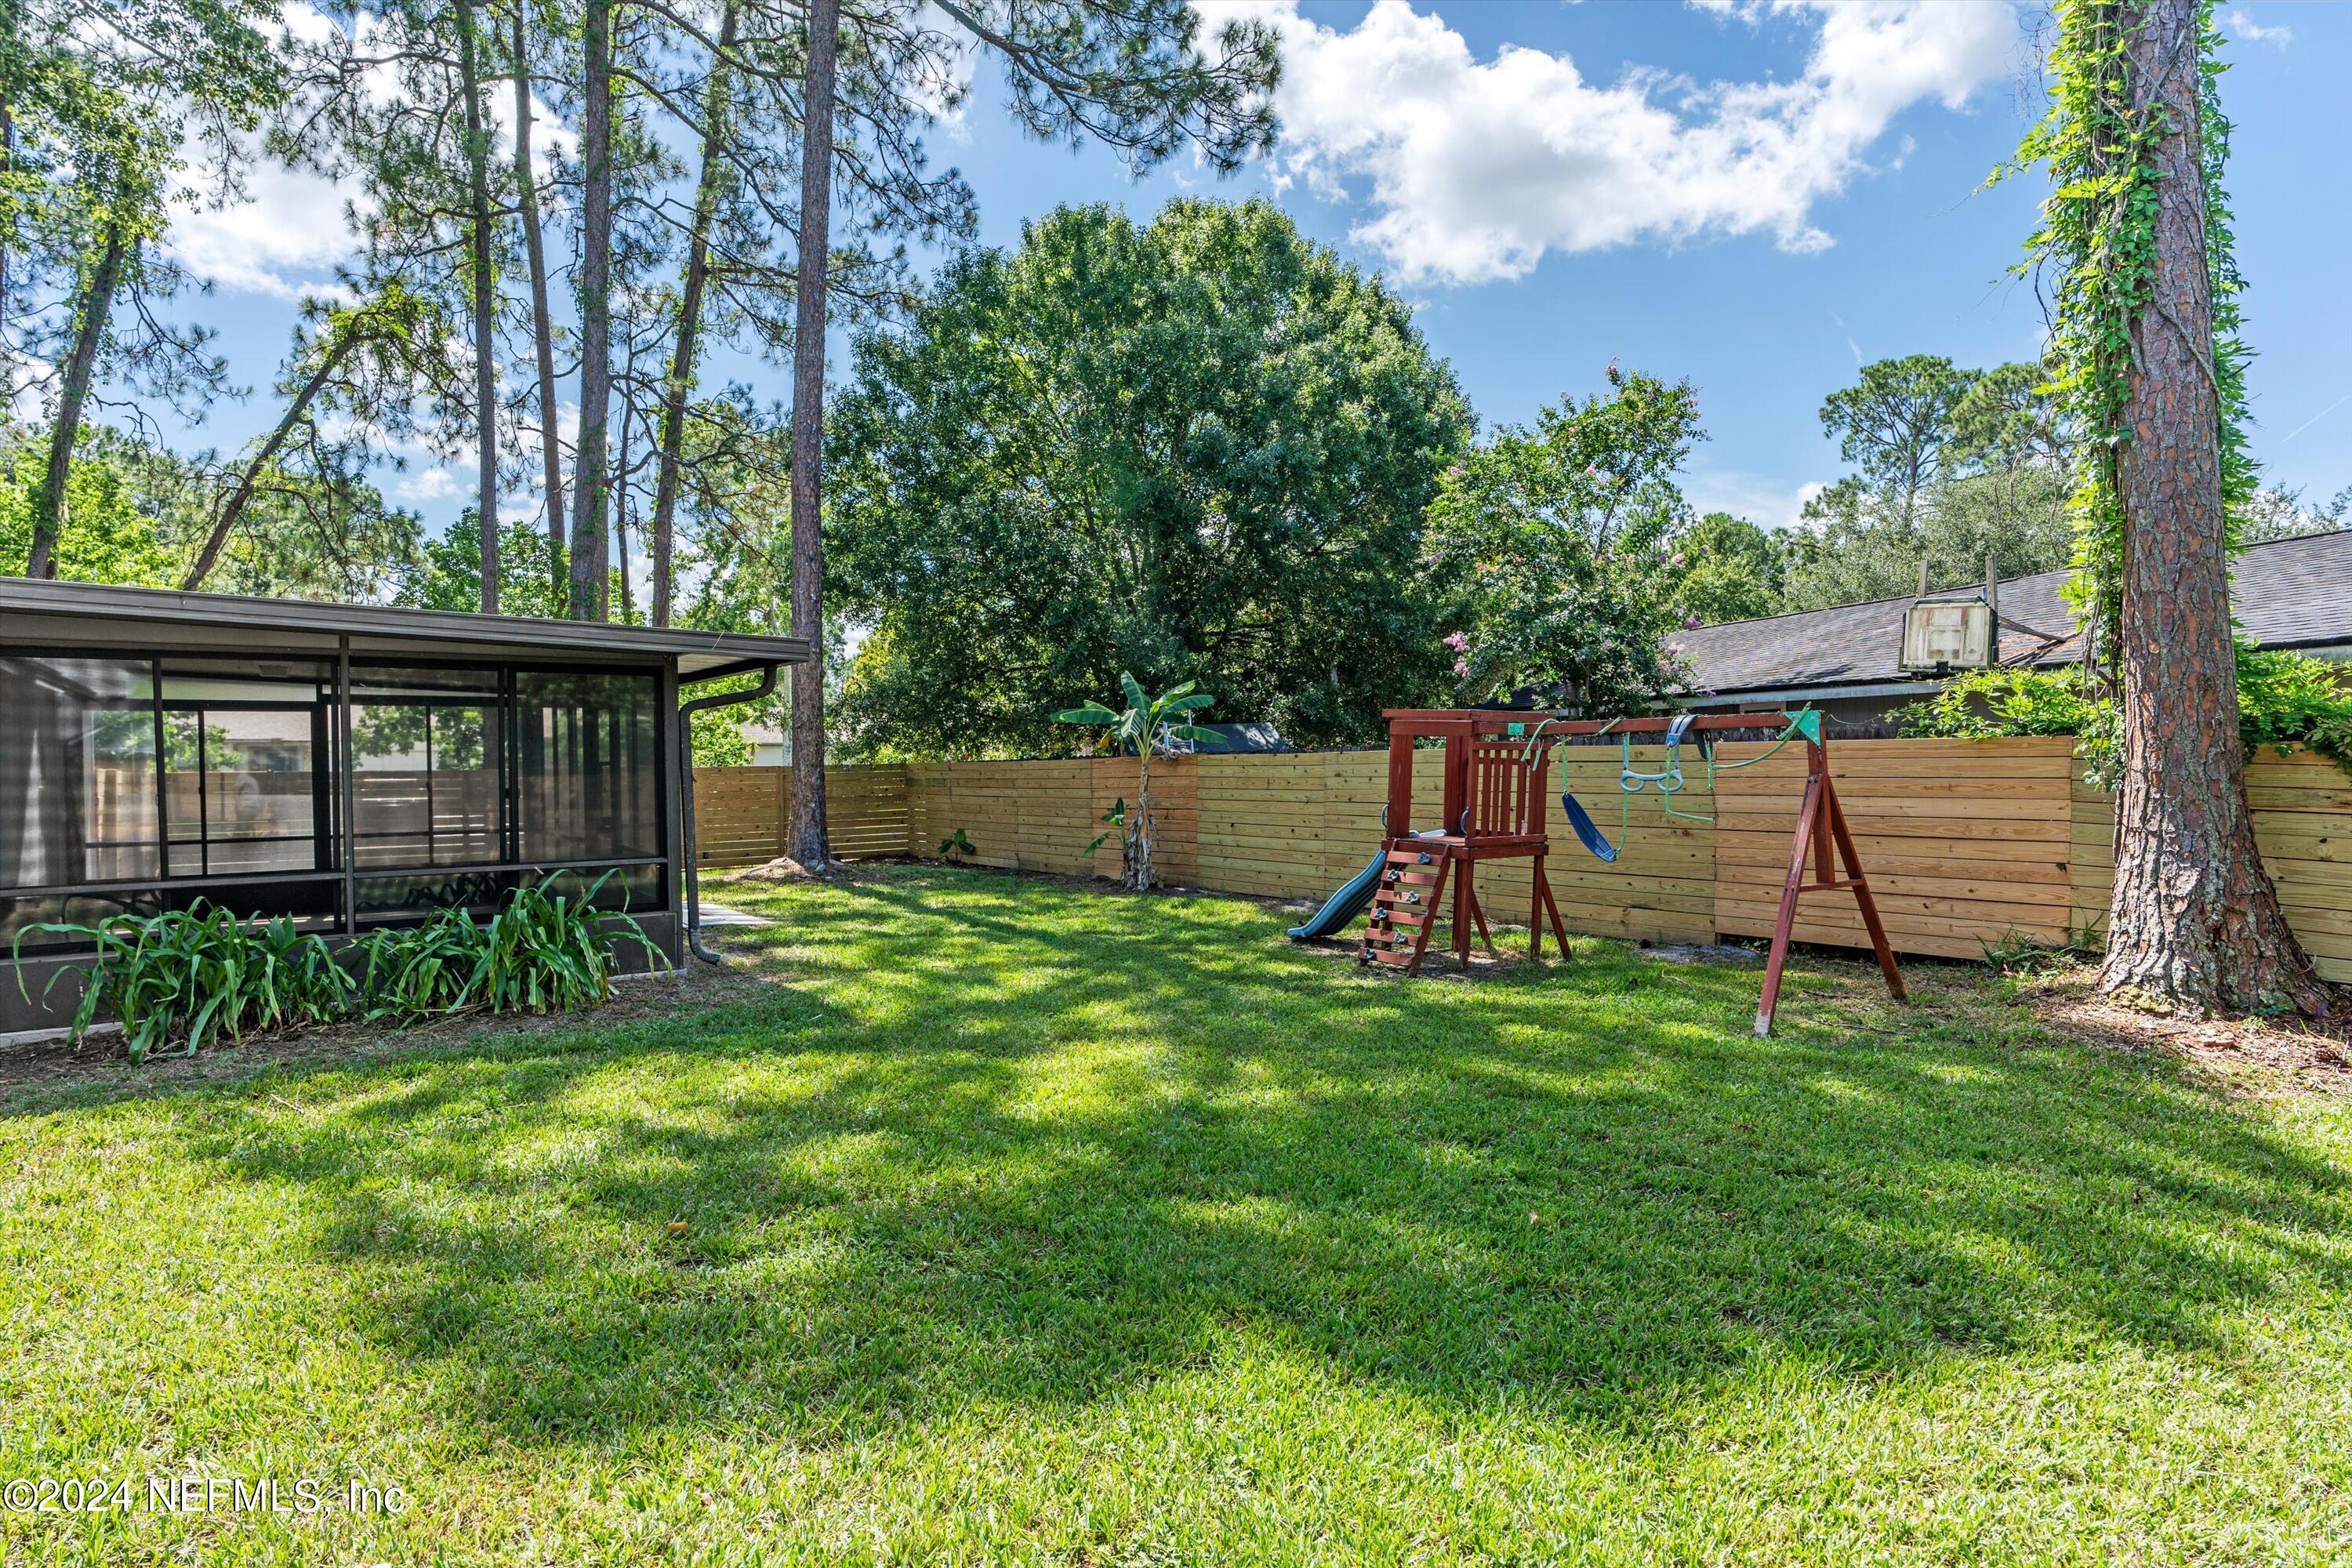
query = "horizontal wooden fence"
x=1965 y=842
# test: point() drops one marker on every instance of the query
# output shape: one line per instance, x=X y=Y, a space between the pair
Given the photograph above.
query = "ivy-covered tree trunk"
x=2195 y=922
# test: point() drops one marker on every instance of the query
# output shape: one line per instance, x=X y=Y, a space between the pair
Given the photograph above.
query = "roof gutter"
x=685 y=712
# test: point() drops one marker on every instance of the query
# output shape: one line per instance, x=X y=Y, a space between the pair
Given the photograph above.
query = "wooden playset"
x=1496 y=766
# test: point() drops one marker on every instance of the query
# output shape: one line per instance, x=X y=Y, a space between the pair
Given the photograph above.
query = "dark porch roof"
x=2287 y=593
x=83 y=613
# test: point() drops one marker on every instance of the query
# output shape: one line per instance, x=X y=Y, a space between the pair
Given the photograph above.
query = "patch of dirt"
x=2255 y=1055
x=784 y=868
x=1703 y=953
x=878 y=869
x=98 y=1062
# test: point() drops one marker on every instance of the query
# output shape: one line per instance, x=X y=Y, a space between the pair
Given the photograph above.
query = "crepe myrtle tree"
x=1555 y=549
x=1151 y=726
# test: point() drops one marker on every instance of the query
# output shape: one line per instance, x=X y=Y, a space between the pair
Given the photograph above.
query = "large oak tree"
x=1197 y=450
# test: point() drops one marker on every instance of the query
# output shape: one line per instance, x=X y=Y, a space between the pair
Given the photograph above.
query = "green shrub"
x=2284 y=700
x=543 y=952
x=1985 y=704
x=190 y=975
x=2017 y=954
x=2290 y=699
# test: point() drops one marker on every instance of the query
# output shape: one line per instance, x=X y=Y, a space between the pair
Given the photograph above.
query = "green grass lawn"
x=996 y=1222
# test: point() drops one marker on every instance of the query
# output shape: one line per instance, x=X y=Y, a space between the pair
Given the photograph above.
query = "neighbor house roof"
x=2288 y=593
x=84 y=611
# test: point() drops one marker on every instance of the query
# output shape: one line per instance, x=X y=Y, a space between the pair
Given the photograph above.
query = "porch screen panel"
x=588 y=772
x=77 y=800
x=428 y=749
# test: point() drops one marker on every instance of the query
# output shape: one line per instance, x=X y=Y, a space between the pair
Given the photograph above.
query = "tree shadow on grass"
x=1024 y=1149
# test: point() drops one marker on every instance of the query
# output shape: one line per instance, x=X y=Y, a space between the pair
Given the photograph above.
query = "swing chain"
x=1669 y=780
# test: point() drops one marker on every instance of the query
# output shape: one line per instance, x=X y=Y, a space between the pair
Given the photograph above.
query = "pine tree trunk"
x=588 y=489
x=621 y=515
x=2195 y=922
x=542 y=324
x=806 y=840
x=486 y=382
x=225 y=521
x=679 y=383
x=8 y=167
x=89 y=331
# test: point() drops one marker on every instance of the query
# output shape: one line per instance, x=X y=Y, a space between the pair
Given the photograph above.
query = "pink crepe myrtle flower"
x=1690 y=622
x=1678 y=558
x=1458 y=641
x=1673 y=650
x=1462 y=667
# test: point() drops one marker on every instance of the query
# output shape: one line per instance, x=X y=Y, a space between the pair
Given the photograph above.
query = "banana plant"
x=1149 y=726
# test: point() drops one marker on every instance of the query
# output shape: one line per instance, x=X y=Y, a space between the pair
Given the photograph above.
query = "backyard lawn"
x=985 y=1220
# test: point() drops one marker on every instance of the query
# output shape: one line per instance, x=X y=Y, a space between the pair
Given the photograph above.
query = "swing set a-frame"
x=1497 y=767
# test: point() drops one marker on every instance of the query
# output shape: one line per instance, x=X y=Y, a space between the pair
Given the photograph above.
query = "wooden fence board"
x=1965 y=841
x=1939 y=810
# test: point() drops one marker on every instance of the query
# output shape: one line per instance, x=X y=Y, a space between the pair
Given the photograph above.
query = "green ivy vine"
x=2097 y=251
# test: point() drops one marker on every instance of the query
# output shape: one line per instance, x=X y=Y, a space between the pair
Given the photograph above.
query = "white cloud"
x=420 y=485
x=2246 y=30
x=945 y=90
x=1766 y=502
x=284 y=240
x=1477 y=169
x=285 y=235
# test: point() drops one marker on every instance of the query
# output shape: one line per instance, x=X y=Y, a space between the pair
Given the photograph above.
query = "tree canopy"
x=1552 y=550
x=1198 y=448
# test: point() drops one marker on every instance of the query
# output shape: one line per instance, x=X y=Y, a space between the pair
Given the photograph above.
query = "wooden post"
x=1878 y=943
x=1462 y=906
x=1821 y=830
x=1399 y=815
x=1787 y=922
x=1537 y=896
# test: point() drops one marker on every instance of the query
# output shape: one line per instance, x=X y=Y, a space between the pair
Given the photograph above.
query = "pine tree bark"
x=679 y=383
x=621 y=513
x=2195 y=922
x=483 y=282
x=587 y=598
x=89 y=331
x=8 y=167
x=542 y=331
x=225 y=521
x=806 y=839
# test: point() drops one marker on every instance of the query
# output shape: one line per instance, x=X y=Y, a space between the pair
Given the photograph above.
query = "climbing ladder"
x=1405 y=907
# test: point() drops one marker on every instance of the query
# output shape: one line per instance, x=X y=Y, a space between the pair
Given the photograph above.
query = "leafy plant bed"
x=976 y=1219
x=187 y=977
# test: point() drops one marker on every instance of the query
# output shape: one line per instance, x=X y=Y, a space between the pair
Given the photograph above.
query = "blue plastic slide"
x=1348 y=903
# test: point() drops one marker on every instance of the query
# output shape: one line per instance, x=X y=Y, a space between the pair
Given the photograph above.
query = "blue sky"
x=1753 y=193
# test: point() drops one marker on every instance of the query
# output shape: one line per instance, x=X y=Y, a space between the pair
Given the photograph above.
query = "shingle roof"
x=2289 y=592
